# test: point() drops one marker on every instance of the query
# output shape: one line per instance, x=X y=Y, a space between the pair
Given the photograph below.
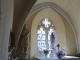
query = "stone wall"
x=6 y=19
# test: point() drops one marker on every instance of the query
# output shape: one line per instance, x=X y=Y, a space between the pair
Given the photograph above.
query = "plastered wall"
x=71 y=40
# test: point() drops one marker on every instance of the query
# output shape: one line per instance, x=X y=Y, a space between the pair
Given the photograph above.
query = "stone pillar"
x=0 y=32
x=6 y=19
x=78 y=41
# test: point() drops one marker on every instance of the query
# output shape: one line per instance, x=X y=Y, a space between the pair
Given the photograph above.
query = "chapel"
x=26 y=27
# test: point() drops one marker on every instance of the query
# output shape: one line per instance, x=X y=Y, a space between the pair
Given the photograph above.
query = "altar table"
x=55 y=58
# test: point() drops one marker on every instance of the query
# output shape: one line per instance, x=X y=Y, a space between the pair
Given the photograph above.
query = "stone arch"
x=53 y=18
x=58 y=9
x=55 y=7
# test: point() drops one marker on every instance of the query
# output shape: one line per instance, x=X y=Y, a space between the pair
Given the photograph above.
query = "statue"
x=53 y=47
x=52 y=39
x=24 y=38
x=24 y=43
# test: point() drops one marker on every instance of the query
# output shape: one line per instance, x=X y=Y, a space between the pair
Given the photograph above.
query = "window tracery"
x=45 y=28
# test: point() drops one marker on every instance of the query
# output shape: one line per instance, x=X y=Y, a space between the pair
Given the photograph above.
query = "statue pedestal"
x=23 y=56
x=52 y=53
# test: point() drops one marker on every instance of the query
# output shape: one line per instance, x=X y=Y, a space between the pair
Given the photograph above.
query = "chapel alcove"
x=65 y=34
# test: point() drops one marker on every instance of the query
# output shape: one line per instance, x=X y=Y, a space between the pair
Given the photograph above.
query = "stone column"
x=78 y=41
x=6 y=19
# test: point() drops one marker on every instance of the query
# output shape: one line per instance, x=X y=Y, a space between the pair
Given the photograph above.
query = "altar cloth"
x=63 y=58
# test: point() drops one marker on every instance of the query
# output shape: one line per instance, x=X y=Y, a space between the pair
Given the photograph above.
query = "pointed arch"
x=44 y=31
x=59 y=10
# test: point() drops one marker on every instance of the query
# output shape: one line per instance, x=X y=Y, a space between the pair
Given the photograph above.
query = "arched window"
x=44 y=31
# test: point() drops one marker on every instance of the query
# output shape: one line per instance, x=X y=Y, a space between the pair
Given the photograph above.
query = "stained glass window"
x=45 y=27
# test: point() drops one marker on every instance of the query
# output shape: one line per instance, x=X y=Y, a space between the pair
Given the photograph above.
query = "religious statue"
x=52 y=39
x=24 y=38
x=53 y=48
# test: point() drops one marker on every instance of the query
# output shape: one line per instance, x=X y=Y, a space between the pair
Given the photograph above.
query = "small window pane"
x=46 y=22
x=41 y=31
x=41 y=37
x=41 y=45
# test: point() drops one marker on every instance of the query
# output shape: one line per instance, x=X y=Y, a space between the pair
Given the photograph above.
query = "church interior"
x=28 y=27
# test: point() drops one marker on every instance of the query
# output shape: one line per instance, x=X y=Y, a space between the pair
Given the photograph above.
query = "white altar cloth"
x=63 y=58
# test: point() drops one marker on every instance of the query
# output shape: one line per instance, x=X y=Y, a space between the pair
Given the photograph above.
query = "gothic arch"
x=56 y=25
x=55 y=7
x=58 y=9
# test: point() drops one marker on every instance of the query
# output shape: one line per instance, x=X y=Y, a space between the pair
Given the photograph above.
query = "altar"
x=55 y=58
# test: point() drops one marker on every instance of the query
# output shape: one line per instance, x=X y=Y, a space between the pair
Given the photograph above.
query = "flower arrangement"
x=60 y=53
